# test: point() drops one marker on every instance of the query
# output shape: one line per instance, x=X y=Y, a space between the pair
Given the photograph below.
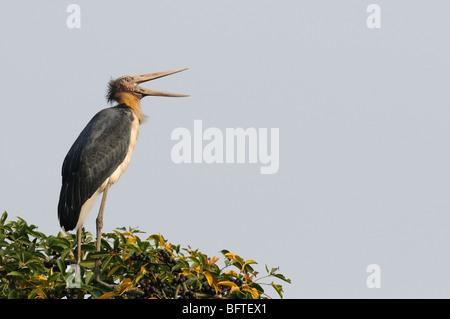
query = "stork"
x=102 y=152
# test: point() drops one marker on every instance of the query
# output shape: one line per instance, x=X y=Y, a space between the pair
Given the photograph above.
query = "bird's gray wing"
x=99 y=149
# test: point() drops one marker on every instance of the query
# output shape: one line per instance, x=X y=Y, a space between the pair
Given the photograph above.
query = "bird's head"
x=126 y=89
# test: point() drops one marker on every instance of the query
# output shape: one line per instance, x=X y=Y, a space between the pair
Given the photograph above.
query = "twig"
x=101 y=282
x=177 y=290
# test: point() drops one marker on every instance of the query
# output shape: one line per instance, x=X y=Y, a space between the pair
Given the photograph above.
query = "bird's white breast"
x=123 y=166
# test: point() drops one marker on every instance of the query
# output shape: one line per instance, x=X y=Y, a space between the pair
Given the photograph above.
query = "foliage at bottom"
x=33 y=265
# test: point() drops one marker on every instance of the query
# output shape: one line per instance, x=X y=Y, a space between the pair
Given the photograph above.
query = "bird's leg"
x=99 y=223
x=79 y=246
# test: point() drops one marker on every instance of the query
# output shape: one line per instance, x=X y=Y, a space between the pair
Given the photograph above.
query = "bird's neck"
x=132 y=101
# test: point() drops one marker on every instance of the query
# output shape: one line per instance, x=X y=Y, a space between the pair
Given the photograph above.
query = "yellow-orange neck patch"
x=132 y=101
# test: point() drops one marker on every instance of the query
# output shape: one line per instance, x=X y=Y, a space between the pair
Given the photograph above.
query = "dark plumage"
x=111 y=92
x=114 y=86
x=97 y=152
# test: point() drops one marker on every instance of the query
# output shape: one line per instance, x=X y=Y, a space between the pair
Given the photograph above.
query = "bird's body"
x=98 y=157
x=102 y=152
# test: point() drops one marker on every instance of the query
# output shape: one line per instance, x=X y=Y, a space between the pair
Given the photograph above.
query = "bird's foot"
x=97 y=279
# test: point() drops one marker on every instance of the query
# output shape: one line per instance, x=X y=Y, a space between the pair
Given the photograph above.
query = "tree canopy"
x=34 y=265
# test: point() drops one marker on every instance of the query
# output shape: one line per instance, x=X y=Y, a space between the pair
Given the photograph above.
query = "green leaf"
x=61 y=265
x=99 y=255
x=190 y=281
x=116 y=243
x=89 y=247
x=203 y=261
x=105 y=244
x=280 y=276
x=17 y=275
x=122 y=237
x=88 y=263
x=88 y=277
x=112 y=271
x=176 y=267
x=194 y=260
x=54 y=277
x=33 y=293
x=106 y=262
x=64 y=253
x=278 y=288
x=13 y=294
x=96 y=293
x=119 y=260
x=248 y=262
x=257 y=286
x=3 y=218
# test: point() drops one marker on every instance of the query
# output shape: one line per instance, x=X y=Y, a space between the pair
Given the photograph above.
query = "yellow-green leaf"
x=231 y=273
x=234 y=289
x=108 y=295
x=213 y=261
x=112 y=271
x=253 y=291
x=209 y=278
x=234 y=257
x=248 y=262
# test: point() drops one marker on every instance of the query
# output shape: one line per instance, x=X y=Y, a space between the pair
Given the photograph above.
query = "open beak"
x=138 y=79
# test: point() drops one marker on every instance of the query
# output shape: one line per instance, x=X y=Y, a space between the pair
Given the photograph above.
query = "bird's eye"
x=128 y=79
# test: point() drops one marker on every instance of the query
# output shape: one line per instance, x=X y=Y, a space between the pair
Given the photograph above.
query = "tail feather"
x=68 y=211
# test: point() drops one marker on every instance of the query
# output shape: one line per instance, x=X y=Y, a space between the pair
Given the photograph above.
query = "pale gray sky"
x=363 y=116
